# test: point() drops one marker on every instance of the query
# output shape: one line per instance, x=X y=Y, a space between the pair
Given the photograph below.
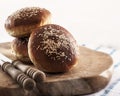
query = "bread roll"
x=23 y=21
x=19 y=48
x=52 y=48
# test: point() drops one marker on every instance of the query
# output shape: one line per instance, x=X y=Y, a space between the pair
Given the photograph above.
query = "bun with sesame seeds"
x=23 y=21
x=52 y=48
x=20 y=49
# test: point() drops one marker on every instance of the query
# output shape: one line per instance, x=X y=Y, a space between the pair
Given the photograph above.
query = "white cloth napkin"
x=113 y=88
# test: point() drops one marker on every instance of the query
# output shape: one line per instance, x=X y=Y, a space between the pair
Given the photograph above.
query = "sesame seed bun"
x=23 y=21
x=19 y=48
x=52 y=48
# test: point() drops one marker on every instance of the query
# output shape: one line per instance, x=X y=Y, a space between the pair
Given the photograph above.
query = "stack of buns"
x=20 y=25
x=50 y=47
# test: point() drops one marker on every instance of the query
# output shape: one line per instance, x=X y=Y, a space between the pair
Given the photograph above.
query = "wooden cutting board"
x=92 y=74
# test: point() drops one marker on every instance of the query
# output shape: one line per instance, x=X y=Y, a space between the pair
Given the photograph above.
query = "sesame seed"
x=26 y=12
x=38 y=47
x=52 y=42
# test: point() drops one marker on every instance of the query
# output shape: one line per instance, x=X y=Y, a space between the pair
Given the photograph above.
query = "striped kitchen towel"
x=113 y=88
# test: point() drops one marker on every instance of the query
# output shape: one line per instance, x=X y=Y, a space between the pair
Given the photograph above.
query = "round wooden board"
x=84 y=78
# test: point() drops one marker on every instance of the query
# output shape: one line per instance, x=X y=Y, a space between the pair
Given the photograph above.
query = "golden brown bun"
x=52 y=48
x=23 y=21
x=19 y=48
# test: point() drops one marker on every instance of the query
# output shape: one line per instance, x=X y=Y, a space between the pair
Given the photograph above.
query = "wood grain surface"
x=92 y=74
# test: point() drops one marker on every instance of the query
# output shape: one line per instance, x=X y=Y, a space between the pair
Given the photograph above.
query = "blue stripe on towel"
x=116 y=65
x=113 y=51
x=98 y=47
x=106 y=92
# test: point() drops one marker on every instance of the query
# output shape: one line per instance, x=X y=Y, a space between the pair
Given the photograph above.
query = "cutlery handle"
x=26 y=82
x=34 y=73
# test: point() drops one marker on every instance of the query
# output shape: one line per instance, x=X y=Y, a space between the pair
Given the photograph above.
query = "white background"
x=90 y=21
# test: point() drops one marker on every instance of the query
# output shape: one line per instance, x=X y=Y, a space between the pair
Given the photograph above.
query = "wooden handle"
x=36 y=74
x=26 y=82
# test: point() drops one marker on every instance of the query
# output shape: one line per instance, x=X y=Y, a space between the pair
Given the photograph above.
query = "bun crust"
x=23 y=21
x=19 y=48
x=52 y=48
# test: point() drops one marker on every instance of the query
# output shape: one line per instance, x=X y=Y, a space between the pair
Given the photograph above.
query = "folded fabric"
x=113 y=88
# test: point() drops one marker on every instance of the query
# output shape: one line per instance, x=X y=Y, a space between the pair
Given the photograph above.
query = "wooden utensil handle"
x=36 y=74
x=26 y=82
